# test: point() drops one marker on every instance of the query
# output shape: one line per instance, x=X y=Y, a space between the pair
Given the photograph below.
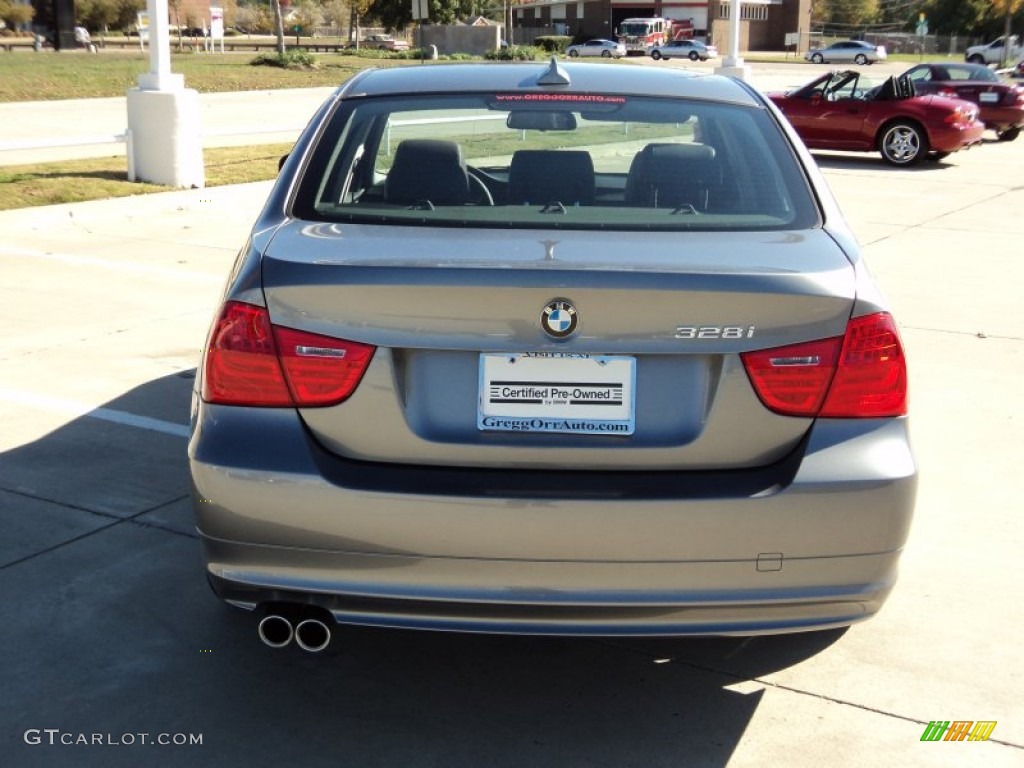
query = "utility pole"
x=1007 y=27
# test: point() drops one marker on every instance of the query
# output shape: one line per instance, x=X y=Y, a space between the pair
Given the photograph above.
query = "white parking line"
x=77 y=409
x=117 y=266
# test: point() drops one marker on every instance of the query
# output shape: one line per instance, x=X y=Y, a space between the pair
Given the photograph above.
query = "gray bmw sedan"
x=551 y=349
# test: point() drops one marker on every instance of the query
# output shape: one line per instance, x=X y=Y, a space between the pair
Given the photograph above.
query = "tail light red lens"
x=958 y=116
x=241 y=360
x=793 y=380
x=860 y=375
x=251 y=362
x=871 y=380
x=321 y=370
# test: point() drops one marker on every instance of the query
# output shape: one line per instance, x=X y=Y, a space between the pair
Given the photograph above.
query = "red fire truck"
x=640 y=34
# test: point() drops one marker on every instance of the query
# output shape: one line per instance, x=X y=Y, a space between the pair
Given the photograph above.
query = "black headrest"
x=541 y=176
x=428 y=169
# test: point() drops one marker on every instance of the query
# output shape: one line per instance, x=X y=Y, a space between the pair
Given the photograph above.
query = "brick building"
x=763 y=23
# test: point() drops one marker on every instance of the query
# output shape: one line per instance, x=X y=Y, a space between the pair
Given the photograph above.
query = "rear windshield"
x=554 y=161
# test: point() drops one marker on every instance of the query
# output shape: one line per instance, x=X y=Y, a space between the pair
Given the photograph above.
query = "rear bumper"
x=1001 y=118
x=811 y=543
x=954 y=139
x=563 y=598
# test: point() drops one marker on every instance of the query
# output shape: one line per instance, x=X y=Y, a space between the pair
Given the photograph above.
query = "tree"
x=357 y=9
x=96 y=15
x=127 y=13
x=397 y=14
x=335 y=12
x=846 y=13
x=985 y=18
x=15 y=14
x=308 y=16
x=254 y=18
x=275 y=7
x=946 y=17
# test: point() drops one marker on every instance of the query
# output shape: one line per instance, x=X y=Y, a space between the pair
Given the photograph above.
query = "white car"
x=384 y=43
x=993 y=53
x=683 y=49
x=604 y=48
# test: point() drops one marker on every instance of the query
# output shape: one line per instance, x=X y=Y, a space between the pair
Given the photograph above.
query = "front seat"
x=672 y=176
x=428 y=170
x=541 y=176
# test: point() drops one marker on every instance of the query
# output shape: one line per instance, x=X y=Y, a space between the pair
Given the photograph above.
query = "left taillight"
x=249 y=361
x=960 y=116
x=861 y=374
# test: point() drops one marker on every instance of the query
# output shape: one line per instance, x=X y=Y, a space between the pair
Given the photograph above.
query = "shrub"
x=365 y=52
x=515 y=53
x=286 y=60
x=553 y=43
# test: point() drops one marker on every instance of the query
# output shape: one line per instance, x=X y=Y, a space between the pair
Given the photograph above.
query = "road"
x=108 y=628
x=250 y=117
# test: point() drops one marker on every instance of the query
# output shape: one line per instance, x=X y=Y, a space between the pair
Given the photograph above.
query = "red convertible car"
x=841 y=111
x=1000 y=104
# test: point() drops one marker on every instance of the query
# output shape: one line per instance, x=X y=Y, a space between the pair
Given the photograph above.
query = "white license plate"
x=988 y=98
x=562 y=392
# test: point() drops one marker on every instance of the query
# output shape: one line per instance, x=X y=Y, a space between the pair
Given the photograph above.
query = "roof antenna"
x=555 y=75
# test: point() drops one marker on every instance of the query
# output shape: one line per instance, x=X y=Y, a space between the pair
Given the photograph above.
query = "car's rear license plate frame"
x=560 y=392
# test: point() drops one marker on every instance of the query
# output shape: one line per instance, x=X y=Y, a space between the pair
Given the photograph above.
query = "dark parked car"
x=1000 y=104
x=555 y=349
x=843 y=111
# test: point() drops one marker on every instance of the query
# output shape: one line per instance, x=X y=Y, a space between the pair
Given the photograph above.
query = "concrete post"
x=732 y=64
x=165 y=140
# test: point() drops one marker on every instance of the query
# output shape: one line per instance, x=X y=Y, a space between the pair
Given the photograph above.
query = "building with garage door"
x=763 y=23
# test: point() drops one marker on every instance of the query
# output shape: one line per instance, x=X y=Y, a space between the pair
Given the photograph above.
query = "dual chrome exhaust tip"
x=310 y=634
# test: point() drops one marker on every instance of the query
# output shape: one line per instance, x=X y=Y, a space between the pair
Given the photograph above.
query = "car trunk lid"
x=445 y=306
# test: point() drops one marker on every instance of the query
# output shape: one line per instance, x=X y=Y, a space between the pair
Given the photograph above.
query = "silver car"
x=847 y=51
x=604 y=48
x=693 y=50
x=552 y=349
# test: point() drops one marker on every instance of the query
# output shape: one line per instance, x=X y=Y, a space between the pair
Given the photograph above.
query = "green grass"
x=72 y=181
x=42 y=77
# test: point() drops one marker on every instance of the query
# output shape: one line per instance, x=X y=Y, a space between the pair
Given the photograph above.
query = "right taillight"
x=249 y=361
x=871 y=380
x=862 y=374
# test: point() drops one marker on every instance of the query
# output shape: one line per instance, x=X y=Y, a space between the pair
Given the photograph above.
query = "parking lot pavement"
x=109 y=631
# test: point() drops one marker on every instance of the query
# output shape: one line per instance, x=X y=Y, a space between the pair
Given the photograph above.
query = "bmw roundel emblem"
x=559 y=318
